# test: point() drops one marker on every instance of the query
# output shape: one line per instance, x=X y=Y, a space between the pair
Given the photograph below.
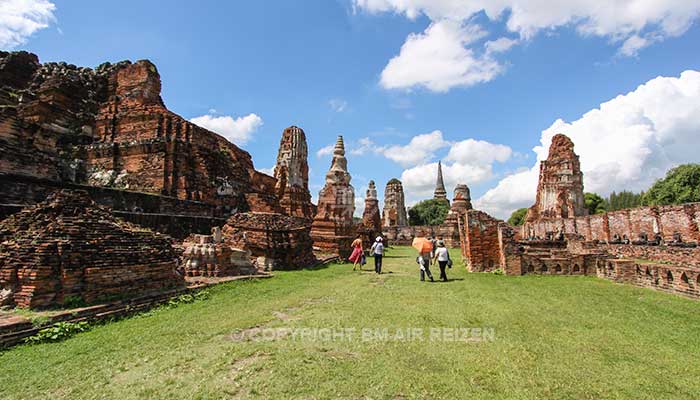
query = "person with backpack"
x=377 y=250
x=442 y=257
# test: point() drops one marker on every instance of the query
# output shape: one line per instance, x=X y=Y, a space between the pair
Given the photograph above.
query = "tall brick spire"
x=440 y=192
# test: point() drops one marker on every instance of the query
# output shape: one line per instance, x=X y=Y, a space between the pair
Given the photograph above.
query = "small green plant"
x=57 y=332
x=188 y=298
x=40 y=320
x=73 y=302
x=497 y=271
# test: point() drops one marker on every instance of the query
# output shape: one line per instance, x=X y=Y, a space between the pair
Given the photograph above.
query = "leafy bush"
x=428 y=212
x=594 y=203
x=57 y=332
x=517 y=218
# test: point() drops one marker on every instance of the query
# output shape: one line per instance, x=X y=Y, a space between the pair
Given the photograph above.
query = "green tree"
x=622 y=200
x=594 y=203
x=517 y=218
x=681 y=185
x=428 y=212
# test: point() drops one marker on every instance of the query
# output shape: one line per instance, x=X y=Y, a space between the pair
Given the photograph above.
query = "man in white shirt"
x=377 y=250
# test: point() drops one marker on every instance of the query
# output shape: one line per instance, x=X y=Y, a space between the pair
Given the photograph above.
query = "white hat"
x=379 y=239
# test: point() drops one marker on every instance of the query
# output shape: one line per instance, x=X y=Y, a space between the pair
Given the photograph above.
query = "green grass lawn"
x=554 y=337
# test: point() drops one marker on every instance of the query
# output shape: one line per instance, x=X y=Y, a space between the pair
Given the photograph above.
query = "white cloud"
x=419 y=150
x=269 y=171
x=439 y=60
x=500 y=45
x=419 y=181
x=478 y=152
x=469 y=161
x=633 y=44
x=360 y=203
x=338 y=105
x=366 y=145
x=19 y=19
x=626 y=143
x=451 y=46
x=238 y=130
x=325 y=151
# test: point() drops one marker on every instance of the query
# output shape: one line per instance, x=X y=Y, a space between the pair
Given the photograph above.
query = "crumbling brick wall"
x=109 y=127
x=482 y=248
x=283 y=239
x=68 y=249
x=666 y=220
x=674 y=279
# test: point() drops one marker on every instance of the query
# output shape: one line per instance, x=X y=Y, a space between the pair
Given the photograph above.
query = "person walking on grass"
x=424 y=263
x=442 y=257
x=377 y=250
x=356 y=256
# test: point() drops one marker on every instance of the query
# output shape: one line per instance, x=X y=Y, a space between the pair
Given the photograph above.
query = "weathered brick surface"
x=69 y=248
x=109 y=127
x=482 y=248
x=333 y=228
x=394 y=211
x=292 y=174
x=667 y=221
x=560 y=185
x=664 y=277
x=371 y=225
x=282 y=239
x=210 y=256
x=461 y=203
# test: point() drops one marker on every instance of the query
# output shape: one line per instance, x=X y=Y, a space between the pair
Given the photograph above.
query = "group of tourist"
x=435 y=253
x=358 y=254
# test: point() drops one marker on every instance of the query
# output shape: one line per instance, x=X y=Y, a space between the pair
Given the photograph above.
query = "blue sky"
x=475 y=85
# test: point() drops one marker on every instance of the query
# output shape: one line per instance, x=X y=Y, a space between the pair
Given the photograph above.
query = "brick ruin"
x=450 y=231
x=210 y=256
x=292 y=174
x=62 y=126
x=394 y=211
x=333 y=228
x=560 y=187
x=278 y=242
x=654 y=247
x=106 y=131
x=440 y=192
x=67 y=250
x=371 y=225
x=461 y=203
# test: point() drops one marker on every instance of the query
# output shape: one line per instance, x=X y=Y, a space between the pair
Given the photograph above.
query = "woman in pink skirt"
x=356 y=256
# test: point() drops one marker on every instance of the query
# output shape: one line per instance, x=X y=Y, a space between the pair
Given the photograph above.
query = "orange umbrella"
x=422 y=244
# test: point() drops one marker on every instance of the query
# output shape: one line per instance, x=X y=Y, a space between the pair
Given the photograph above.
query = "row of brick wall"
x=666 y=220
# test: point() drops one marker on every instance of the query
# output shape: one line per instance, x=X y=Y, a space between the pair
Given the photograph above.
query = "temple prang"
x=394 y=211
x=560 y=185
x=292 y=174
x=440 y=192
x=333 y=228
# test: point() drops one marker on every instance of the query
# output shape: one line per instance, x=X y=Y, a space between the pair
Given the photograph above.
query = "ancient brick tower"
x=394 y=212
x=370 y=217
x=333 y=229
x=440 y=192
x=560 y=187
x=292 y=174
x=454 y=221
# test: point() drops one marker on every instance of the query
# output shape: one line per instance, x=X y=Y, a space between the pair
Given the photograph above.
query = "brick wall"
x=673 y=279
x=665 y=220
x=482 y=248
